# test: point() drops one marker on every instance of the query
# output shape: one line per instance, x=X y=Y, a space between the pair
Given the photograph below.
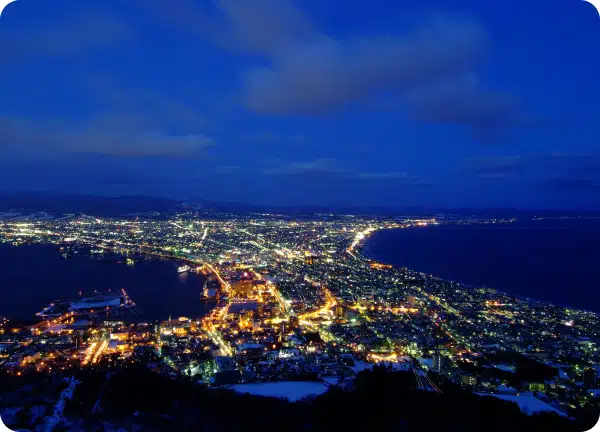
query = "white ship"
x=183 y=269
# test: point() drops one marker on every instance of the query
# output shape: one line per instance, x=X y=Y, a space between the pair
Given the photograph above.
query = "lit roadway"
x=94 y=352
x=46 y=324
x=275 y=293
x=218 y=339
x=423 y=380
x=218 y=275
x=330 y=302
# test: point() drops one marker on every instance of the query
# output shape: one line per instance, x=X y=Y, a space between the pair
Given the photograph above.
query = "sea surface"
x=32 y=276
x=557 y=261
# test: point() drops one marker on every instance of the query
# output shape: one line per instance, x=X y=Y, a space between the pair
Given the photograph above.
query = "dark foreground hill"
x=138 y=399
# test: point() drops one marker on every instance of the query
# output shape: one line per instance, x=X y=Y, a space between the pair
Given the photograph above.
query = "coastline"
x=361 y=249
x=154 y=283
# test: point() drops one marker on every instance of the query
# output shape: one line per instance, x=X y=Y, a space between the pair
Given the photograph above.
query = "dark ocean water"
x=556 y=261
x=33 y=276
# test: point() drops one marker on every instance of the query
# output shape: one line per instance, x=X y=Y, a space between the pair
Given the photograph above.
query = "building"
x=438 y=361
x=294 y=321
x=468 y=379
x=537 y=386
x=242 y=288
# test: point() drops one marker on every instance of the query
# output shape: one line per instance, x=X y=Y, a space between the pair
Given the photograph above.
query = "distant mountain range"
x=88 y=204
x=57 y=204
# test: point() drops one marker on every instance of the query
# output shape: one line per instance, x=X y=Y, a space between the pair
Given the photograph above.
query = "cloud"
x=263 y=137
x=462 y=101
x=558 y=172
x=125 y=121
x=333 y=169
x=304 y=71
x=495 y=167
x=317 y=166
x=228 y=169
x=155 y=107
x=75 y=33
x=570 y=173
x=323 y=73
x=588 y=164
x=392 y=177
x=259 y=27
x=573 y=184
x=115 y=135
x=277 y=139
x=81 y=172
x=266 y=27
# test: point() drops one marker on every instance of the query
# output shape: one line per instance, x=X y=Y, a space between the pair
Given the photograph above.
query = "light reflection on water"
x=33 y=276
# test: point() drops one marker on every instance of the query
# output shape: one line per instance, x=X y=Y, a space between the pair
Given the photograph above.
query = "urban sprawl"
x=297 y=300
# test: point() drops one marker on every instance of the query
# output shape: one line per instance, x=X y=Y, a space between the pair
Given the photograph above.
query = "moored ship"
x=183 y=269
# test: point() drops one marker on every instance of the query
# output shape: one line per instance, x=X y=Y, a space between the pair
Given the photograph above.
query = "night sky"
x=445 y=103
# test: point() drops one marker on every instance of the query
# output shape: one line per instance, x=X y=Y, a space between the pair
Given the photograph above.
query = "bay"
x=551 y=260
x=31 y=276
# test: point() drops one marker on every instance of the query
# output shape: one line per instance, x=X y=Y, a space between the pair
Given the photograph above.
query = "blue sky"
x=455 y=103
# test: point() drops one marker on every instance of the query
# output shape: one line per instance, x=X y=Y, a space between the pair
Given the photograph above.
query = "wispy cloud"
x=393 y=177
x=495 y=167
x=461 y=100
x=80 y=31
x=118 y=135
x=228 y=169
x=573 y=184
x=277 y=139
x=572 y=173
x=317 y=166
x=306 y=71
x=334 y=169
x=156 y=107
x=322 y=74
x=560 y=173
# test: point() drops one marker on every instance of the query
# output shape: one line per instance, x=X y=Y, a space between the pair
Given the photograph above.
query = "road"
x=424 y=382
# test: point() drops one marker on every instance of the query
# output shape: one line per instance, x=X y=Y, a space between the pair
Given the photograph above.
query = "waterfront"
x=549 y=260
x=34 y=275
x=297 y=302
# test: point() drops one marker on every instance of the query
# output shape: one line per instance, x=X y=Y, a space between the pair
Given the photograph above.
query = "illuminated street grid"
x=297 y=299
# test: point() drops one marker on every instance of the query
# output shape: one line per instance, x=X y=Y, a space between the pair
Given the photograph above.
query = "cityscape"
x=299 y=216
x=297 y=308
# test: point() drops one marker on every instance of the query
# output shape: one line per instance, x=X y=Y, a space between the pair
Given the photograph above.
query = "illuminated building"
x=539 y=387
x=468 y=379
x=438 y=361
x=256 y=324
x=122 y=336
x=242 y=287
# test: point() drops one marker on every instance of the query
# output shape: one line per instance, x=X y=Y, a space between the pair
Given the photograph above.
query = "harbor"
x=155 y=284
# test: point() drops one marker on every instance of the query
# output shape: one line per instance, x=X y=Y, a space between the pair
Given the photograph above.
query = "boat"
x=183 y=269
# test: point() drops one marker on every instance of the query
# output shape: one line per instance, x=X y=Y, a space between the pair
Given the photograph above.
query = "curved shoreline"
x=151 y=280
x=360 y=250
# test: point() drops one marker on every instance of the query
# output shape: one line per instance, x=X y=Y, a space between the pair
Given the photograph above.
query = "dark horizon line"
x=312 y=208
